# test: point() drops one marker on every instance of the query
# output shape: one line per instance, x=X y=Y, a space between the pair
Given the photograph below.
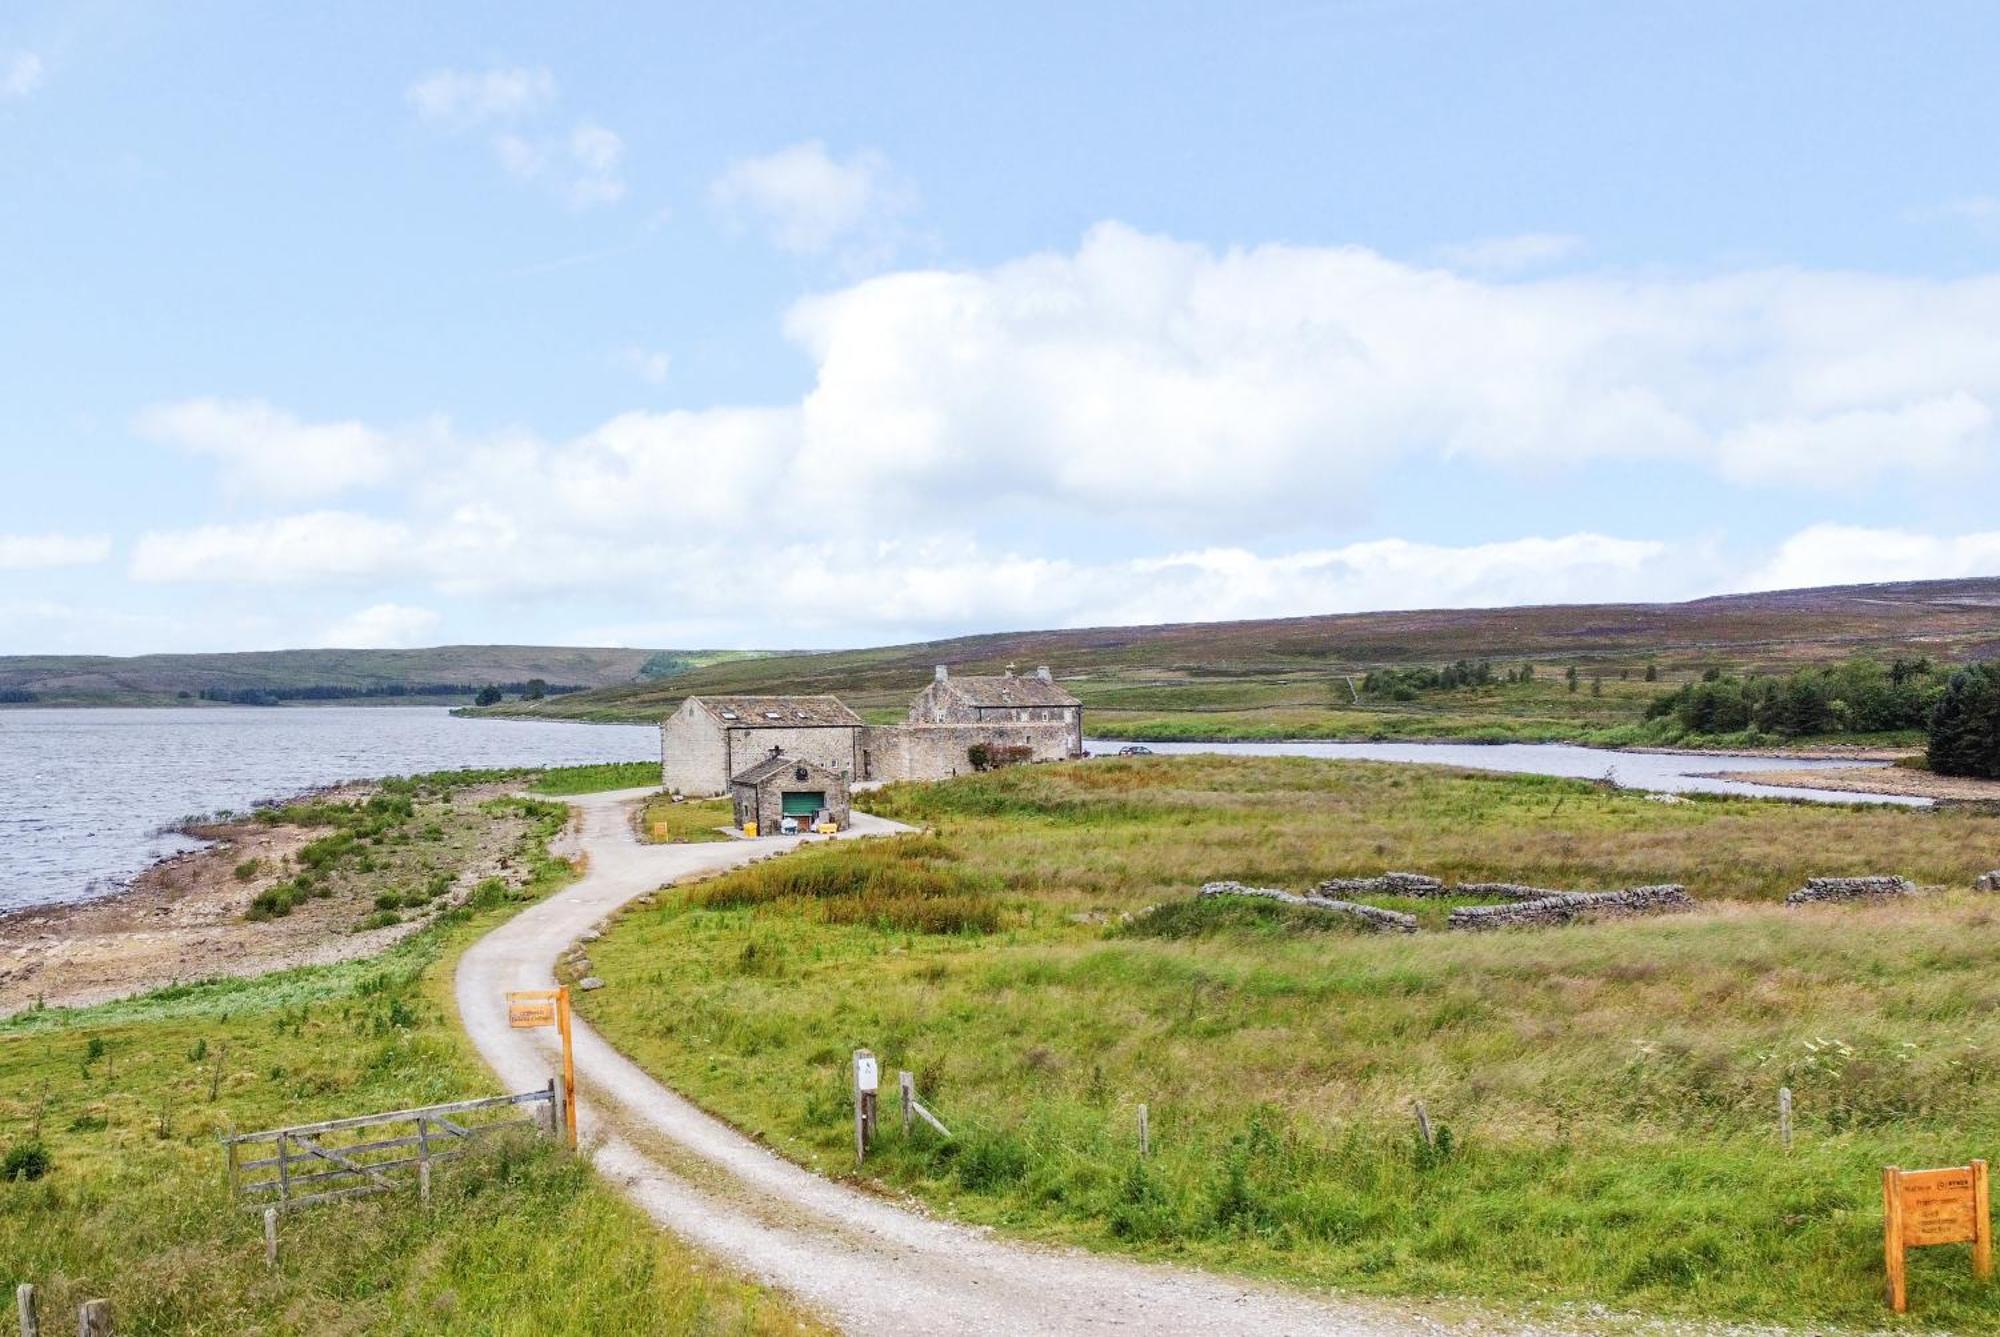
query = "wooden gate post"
x=24 y=1300
x=270 y=1237
x=906 y=1083
x=424 y=1160
x=1892 y=1237
x=1145 y=1134
x=94 y=1319
x=1785 y=1117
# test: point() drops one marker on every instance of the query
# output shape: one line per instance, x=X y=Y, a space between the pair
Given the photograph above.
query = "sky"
x=816 y=325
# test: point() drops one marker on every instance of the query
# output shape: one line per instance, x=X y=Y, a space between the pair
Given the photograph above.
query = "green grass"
x=130 y=1097
x=570 y=780
x=691 y=821
x=1609 y=1089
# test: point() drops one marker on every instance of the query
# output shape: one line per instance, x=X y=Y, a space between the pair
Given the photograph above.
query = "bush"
x=25 y=1161
x=248 y=869
x=1965 y=727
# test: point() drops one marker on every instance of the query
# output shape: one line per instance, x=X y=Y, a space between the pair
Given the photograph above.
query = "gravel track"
x=862 y=1261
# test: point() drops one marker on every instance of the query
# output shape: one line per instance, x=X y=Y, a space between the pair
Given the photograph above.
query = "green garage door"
x=804 y=805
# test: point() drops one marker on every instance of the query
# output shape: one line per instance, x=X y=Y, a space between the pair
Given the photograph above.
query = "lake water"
x=1659 y=772
x=84 y=793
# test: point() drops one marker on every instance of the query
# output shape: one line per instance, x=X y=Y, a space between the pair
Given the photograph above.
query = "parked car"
x=1135 y=750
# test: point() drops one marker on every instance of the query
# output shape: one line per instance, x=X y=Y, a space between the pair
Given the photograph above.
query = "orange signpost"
x=1921 y=1207
x=531 y=1009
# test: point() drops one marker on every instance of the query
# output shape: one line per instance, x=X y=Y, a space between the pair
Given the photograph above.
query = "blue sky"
x=820 y=325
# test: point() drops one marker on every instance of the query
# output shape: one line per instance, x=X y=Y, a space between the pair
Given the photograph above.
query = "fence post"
x=24 y=1299
x=94 y=1319
x=284 y=1167
x=1424 y=1125
x=550 y=1113
x=866 y=1080
x=1145 y=1134
x=270 y=1237
x=906 y=1083
x=1785 y=1118
x=424 y=1160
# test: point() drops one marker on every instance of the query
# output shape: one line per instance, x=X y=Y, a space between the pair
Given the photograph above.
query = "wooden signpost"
x=530 y=1009
x=867 y=1082
x=1922 y=1207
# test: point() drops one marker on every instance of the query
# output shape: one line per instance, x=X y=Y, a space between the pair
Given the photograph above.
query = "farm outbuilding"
x=781 y=787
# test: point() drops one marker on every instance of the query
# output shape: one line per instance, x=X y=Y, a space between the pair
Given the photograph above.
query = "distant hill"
x=1182 y=665
x=445 y=674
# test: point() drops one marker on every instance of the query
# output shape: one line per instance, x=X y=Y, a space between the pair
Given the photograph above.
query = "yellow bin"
x=749 y=828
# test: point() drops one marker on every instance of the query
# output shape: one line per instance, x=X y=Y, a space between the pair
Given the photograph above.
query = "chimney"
x=1042 y=672
x=941 y=673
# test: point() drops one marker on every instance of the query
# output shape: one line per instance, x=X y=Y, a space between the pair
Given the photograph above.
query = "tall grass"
x=570 y=780
x=1609 y=1090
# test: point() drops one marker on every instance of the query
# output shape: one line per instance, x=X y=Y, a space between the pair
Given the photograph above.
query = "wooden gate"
x=373 y=1153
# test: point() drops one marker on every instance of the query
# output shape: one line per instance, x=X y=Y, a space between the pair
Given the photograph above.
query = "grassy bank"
x=128 y=1099
x=1608 y=1091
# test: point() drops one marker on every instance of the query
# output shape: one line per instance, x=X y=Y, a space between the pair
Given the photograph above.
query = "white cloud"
x=42 y=552
x=313 y=547
x=808 y=203
x=461 y=99
x=20 y=73
x=1091 y=435
x=648 y=365
x=1511 y=255
x=1858 y=555
x=267 y=452
x=381 y=626
x=581 y=168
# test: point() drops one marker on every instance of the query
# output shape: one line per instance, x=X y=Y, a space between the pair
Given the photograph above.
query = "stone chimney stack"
x=941 y=672
x=1042 y=672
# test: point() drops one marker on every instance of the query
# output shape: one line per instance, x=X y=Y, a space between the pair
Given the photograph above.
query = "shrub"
x=248 y=869
x=25 y=1161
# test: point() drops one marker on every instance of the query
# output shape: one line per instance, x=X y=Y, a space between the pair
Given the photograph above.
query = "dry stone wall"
x=1388 y=921
x=1565 y=907
x=1819 y=889
x=1387 y=884
x=1988 y=882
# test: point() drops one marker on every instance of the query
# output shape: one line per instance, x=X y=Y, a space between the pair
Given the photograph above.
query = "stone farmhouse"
x=710 y=742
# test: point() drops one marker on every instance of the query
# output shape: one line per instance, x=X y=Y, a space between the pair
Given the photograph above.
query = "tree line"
x=533 y=688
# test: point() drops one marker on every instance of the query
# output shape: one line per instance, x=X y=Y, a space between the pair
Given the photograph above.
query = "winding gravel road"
x=860 y=1260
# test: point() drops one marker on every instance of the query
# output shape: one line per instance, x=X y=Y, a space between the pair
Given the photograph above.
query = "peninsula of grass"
x=1604 y=1094
x=666 y=821
x=121 y=1106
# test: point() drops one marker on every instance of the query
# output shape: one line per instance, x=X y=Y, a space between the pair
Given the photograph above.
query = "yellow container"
x=749 y=828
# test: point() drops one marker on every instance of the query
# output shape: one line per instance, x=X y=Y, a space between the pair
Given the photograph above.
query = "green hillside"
x=437 y=675
x=1301 y=677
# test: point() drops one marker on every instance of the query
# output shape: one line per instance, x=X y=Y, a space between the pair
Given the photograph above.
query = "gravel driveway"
x=860 y=1260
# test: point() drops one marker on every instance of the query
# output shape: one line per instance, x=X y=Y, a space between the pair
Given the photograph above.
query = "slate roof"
x=770 y=766
x=1006 y=691
x=779 y=712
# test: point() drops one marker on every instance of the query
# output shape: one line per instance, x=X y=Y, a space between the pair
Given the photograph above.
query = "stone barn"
x=780 y=786
x=711 y=739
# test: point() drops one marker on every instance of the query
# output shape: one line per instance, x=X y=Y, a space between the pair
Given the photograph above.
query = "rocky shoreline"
x=184 y=918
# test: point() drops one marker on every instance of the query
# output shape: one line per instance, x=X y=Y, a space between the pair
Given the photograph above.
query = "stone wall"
x=1505 y=891
x=939 y=751
x=1819 y=889
x=1389 y=921
x=1989 y=882
x=1385 y=884
x=1565 y=907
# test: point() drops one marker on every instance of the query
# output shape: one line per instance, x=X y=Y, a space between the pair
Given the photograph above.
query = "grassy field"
x=129 y=1098
x=1607 y=1092
x=569 y=780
